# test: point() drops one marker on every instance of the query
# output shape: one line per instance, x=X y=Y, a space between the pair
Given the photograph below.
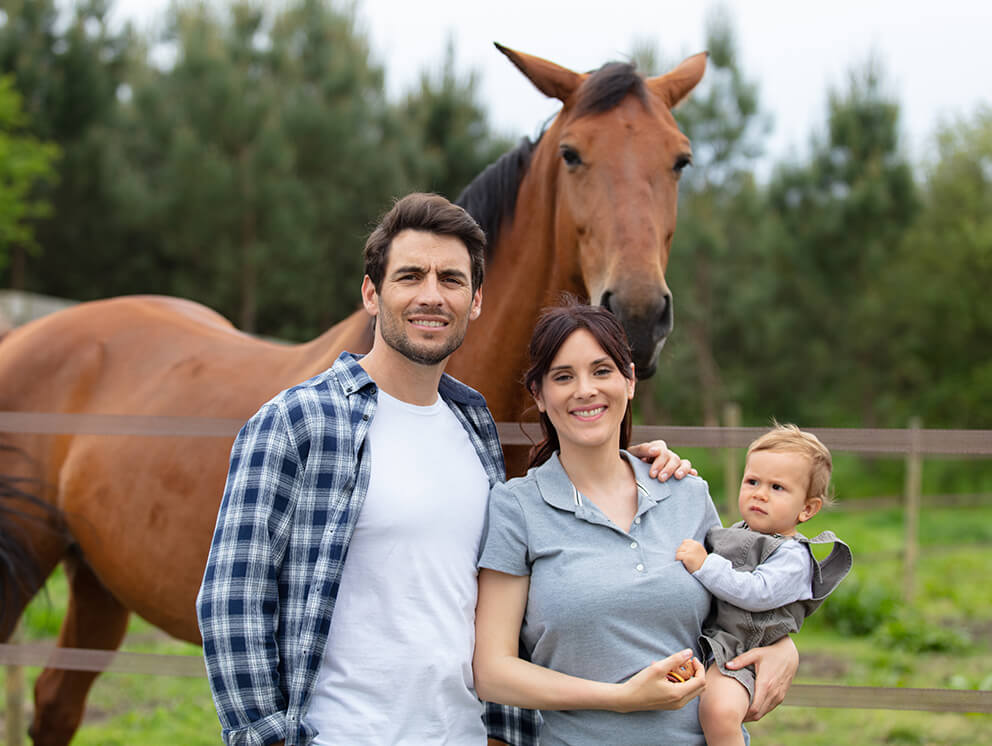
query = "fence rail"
x=873 y=441
x=914 y=442
x=800 y=695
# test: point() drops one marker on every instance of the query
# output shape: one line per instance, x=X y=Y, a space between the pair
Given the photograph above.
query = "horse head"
x=619 y=155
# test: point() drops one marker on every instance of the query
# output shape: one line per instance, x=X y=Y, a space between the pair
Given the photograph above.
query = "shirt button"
x=633 y=545
x=365 y=417
x=640 y=567
x=637 y=520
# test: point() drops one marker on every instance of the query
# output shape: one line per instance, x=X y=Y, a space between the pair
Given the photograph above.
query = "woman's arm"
x=774 y=666
x=502 y=676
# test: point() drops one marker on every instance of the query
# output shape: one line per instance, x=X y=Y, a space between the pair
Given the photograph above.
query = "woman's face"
x=584 y=393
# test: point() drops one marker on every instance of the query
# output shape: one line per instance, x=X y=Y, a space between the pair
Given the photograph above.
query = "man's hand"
x=774 y=668
x=664 y=462
x=692 y=554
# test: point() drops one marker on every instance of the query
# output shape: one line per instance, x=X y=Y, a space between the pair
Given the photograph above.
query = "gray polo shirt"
x=603 y=602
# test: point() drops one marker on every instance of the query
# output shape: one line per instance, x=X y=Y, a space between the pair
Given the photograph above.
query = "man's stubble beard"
x=394 y=334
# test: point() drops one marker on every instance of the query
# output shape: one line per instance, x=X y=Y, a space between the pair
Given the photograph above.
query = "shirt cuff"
x=713 y=566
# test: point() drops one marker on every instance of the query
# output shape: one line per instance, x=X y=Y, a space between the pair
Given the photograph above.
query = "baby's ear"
x=810 y=509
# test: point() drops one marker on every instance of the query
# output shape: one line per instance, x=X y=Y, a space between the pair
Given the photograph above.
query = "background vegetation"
x=847 y=288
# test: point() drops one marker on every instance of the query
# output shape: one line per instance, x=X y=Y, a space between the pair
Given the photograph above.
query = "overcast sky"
x=937 y=54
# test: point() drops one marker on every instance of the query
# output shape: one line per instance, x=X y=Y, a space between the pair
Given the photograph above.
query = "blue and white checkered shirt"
x=297 y=480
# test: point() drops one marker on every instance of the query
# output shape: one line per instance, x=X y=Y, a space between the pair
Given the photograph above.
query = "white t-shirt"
x=397 y=668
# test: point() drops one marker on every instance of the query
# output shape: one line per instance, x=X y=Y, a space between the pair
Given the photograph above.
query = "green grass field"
x=863 y=636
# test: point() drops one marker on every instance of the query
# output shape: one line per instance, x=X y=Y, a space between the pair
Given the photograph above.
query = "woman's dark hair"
x=554 y=326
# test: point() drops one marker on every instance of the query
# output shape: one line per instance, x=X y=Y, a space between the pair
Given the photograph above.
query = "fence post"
x=731 y=461
x=914 y=480
x=15 y=697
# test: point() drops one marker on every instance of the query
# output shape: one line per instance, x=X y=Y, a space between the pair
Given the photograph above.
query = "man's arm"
x=238 y=603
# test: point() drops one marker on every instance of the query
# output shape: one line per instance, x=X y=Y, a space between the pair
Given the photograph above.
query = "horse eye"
x=570 y=156
x=681 y=162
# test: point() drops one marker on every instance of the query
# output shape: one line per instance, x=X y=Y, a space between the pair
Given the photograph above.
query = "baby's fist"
x=692 y=554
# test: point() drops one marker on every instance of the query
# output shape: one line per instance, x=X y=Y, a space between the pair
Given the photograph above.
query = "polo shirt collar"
x=557 y=490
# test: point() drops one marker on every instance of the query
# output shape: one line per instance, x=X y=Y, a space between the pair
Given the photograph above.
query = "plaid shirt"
x=297 y=480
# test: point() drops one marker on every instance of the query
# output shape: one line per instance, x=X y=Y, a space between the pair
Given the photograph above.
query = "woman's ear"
x=631 y=382
x=538 y=400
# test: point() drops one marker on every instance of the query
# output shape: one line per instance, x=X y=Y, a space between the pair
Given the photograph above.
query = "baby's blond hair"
x=789 y=438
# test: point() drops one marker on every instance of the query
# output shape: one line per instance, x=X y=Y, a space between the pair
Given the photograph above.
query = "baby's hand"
x=692 y=554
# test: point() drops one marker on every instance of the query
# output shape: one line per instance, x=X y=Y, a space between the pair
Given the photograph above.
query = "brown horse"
x=589 y=208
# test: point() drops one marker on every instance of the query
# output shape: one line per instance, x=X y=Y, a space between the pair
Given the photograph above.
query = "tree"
x=259 y=158
x=69 y=72
x=938 y=321
x=25 y=163
x=839 y=221
x=451 y=133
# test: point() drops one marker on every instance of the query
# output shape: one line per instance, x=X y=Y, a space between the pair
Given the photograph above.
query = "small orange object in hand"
x=680 y=675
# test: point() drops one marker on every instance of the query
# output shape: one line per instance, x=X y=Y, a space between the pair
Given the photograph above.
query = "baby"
x=762 y=573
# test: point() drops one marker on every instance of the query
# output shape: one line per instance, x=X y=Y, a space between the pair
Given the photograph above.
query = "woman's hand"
x=650 y=688
x=774 y=668
x=664 y=462
x=692 y=554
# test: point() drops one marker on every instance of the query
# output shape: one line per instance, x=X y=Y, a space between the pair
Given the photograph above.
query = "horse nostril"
x=665 y=319
x=604 y=301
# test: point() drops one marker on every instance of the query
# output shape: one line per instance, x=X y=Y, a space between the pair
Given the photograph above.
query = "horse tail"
x=21 y=571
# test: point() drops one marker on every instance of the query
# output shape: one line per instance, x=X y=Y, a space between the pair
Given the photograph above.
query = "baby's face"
x=773 y=492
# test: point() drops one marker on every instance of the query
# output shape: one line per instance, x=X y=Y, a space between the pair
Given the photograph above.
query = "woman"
x=579 y=562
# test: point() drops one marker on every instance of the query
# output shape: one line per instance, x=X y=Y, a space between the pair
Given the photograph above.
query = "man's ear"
x=810 y=509
x=476 y=305
x=370 y=298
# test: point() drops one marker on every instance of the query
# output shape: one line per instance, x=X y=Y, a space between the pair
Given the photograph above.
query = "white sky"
x=936 y=54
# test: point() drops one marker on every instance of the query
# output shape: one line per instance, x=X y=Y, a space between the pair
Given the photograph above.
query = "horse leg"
x=95 y=619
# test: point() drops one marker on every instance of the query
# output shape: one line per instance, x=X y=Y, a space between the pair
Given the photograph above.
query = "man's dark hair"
x=431 y=213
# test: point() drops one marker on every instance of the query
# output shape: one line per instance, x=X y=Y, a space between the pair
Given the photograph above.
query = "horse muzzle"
x=647 y=325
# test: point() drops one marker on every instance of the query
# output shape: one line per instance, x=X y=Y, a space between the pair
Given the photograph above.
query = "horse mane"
x=491 y=196
x=605 y=88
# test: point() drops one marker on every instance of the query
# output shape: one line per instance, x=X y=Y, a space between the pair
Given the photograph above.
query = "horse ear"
x=554 y=81
x=675 y=85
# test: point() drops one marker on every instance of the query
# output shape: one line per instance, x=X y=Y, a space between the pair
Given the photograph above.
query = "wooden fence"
x=913 y=442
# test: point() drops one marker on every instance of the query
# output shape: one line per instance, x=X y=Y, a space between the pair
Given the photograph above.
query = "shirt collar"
x=557 y=490
x=354 y=378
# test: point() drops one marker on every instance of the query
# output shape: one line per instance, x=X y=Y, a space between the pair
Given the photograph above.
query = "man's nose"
x=430 y=291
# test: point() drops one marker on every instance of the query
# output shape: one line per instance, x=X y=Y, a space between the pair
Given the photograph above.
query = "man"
x=339 y=595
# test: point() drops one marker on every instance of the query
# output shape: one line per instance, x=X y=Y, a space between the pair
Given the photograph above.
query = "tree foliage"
x=25 y=163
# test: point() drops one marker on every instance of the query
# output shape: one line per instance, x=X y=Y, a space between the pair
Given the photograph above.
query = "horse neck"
x=530 y=265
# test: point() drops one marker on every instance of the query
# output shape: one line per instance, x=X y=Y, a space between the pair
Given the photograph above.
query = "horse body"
x=131 y=517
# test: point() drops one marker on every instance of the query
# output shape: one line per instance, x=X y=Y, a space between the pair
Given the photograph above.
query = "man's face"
x=426 y=299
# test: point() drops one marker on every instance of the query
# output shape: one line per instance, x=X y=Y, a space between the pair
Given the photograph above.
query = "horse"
x=588 y=208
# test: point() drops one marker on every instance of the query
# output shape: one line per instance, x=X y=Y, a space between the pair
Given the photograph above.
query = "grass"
x=863 y=636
